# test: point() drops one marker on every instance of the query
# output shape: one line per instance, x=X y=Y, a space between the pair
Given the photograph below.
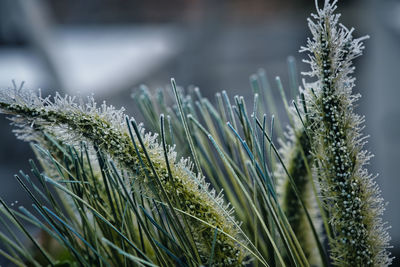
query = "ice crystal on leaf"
x=104 y=127
x=350 y=193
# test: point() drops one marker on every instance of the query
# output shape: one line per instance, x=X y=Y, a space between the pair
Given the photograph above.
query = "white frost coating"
x=71 y=121
x=350 y=193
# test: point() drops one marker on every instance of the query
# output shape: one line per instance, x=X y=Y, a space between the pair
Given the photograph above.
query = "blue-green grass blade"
x=252 y=205
x=293 y=76
x=26 y=232
x=320 y=247
x=76 y=234
x=128 y=255
x=98 y=215
x=185 y=125
x=210 y=261
x=12 y=259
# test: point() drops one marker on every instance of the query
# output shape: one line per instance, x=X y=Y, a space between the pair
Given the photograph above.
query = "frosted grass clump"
x=105 y=128
x=350 y=193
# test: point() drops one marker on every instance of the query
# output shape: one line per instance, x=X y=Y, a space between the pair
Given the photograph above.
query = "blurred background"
x=110 y=47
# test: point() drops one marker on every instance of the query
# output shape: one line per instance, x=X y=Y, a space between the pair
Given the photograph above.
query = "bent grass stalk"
x=104 y=128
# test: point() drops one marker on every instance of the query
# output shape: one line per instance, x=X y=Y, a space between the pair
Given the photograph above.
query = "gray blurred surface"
x=215 y=46
x=380 y=78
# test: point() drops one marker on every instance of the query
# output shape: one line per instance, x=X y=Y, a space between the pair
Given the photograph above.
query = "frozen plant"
x=111 y=194
x=350 y=194
x=159 y=171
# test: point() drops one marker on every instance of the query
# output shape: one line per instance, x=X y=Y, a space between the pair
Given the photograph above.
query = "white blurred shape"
x=21 y=65
x=95 y=59
x=100 y=60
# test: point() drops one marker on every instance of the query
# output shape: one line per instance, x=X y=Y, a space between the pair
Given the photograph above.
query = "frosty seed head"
x=349 y=192
x=104 y=127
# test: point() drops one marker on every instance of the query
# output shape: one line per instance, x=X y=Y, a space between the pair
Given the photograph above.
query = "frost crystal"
x=350 y=193
x=105 y=128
